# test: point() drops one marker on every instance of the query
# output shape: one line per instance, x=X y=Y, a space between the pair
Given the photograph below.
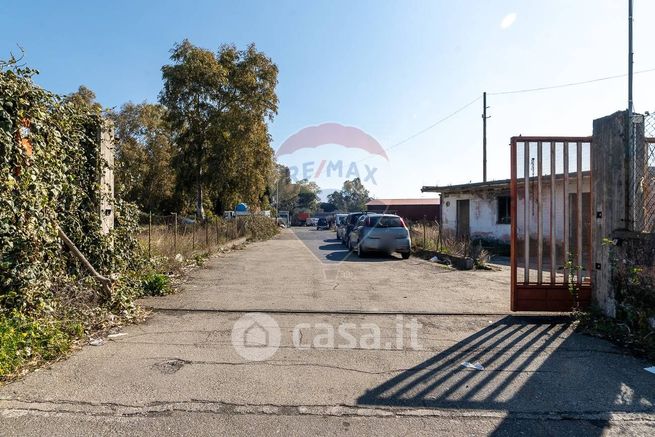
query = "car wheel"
x=405 y=255
x=360 y=252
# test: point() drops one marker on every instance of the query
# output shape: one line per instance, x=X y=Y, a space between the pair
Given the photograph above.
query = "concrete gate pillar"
x=106 y=141
x=612 y=170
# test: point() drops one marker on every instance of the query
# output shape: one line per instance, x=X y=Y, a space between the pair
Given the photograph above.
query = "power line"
x=565 y=85
x=500 y=93
x=422 y=131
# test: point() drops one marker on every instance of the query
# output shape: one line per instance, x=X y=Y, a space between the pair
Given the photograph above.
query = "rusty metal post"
x=193 y=233
x=149 y=234
x=526 y=222
x=175 y=232
x=553 y=205
x=565 y=211
x=513 y=223
x=540 y=222
x=424 y=220
x=578 y=230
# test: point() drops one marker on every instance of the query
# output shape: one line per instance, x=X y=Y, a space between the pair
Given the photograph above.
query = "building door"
x=463 y=216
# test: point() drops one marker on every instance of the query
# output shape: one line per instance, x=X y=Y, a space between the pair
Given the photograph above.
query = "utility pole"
x=630 y=60
x=631 y=210
x=484 y=136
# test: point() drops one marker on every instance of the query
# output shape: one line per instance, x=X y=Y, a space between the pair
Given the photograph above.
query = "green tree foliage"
x=218 y=105
x=327 y=207
x=307 y=197
x=352 y=197
x=84 y=97
x=144 y=154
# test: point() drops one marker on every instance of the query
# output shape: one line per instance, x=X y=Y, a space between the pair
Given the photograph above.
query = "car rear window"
x=354 y=218
x=384 y=222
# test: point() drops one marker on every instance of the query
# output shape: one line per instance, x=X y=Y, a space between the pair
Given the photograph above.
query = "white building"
x=482 y=210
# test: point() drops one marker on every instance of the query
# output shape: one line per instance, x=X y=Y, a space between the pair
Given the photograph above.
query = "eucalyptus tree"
x=218 y=105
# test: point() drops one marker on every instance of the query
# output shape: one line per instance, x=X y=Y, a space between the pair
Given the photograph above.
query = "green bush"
x=156 y=284
x=260 y=228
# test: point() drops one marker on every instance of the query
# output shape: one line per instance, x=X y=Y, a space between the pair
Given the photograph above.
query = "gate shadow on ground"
x=535 y=368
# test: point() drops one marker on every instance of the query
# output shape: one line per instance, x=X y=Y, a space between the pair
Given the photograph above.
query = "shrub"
x=156 y=284
x=260 y=228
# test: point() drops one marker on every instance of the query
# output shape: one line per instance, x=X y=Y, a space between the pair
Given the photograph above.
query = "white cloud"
x=508 y=20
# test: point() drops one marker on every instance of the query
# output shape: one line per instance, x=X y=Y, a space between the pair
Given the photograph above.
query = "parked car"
x=340 y=224
x=351 y=221
x=380 y=233
x=322 y=224
x=312 y=221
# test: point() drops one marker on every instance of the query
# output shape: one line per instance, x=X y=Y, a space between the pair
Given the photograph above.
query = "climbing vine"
x=49 y=177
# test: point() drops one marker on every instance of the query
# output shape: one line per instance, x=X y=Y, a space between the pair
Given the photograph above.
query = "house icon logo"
x=256 y=336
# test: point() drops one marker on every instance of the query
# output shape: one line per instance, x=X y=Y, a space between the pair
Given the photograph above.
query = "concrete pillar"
x=612 y=167
x=106 y=140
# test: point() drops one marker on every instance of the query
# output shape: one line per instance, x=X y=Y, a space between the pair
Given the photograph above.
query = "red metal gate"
x=551 y=229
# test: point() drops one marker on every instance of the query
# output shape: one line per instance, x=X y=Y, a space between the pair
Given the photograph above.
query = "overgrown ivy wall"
x=49 y=177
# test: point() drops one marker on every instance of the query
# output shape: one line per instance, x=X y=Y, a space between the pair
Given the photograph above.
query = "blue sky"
x=390 y=68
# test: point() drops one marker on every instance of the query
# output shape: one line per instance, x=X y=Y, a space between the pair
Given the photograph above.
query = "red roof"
x=398 y=202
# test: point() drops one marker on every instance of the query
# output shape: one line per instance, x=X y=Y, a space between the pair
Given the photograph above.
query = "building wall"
x=483 y=214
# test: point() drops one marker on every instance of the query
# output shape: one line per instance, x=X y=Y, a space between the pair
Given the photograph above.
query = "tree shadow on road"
x=535 y=369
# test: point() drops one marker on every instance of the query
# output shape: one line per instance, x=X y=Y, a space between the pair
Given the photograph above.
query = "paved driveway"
x=309 y=270
x=397 y=374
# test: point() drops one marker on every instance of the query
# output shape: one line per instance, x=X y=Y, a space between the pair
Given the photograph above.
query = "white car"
x=312 y=221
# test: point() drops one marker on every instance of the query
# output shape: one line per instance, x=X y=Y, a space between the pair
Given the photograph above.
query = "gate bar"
x=526 y=197
x=579 y=212
x=565 y=211
x=513 y=222
x=540 y=221
x=553 y=247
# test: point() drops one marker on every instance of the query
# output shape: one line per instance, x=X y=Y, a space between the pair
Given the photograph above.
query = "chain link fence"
x=645 y=177
x=173 y=234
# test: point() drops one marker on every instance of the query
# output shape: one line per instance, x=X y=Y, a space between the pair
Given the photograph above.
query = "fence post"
x=175 y=234
x=207 y=233
x=149 y=233
x=440 y=241
x=193 y=233
x=424 y=219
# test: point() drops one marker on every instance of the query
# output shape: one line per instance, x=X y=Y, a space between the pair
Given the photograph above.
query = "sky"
x=390 y=69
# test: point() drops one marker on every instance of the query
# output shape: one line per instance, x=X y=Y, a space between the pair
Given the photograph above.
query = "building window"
x=504 y=211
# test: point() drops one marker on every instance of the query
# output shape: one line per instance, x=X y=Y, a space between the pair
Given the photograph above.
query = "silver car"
x=380 y=233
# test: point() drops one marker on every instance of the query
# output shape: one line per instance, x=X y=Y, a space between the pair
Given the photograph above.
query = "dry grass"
x=191 y=241
x=425 y=238
x=172 y=249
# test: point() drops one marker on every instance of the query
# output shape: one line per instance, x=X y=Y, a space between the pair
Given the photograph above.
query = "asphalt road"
x=413 y=325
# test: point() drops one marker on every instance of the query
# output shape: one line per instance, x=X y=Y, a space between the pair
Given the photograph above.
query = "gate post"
x=611 y=158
